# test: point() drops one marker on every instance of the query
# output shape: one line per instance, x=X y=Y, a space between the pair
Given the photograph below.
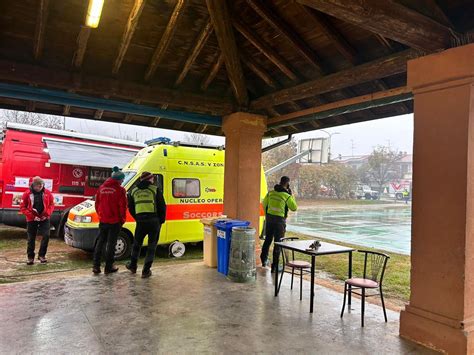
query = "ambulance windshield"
x=128 y=176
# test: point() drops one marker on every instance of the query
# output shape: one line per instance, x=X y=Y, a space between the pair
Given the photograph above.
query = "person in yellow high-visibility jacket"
x=276 y=205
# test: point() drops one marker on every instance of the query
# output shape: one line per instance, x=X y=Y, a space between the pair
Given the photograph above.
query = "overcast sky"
x=354 y=139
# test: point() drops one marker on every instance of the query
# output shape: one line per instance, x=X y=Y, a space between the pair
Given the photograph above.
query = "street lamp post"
x=329 y=145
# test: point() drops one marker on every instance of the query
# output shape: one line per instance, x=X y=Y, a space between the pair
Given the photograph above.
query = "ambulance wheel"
x=124 y=246
x=177 y=249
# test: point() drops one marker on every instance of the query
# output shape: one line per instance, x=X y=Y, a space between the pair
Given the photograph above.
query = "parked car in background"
x=73 y=166
x=364 y=191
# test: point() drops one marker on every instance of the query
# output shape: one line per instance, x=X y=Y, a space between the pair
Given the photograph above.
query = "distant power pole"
x=352 y=147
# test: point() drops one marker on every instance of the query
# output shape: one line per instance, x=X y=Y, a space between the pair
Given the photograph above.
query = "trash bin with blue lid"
x=224 y=237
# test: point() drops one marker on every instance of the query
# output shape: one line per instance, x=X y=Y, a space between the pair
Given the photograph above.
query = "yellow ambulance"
x=192 y=181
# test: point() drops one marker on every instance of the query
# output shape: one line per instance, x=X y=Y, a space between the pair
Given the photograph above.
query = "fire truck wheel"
x=177 y=249
x=123 y=246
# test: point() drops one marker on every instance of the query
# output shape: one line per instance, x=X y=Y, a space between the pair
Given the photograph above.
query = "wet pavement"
x=382 y=228
x=186 y=308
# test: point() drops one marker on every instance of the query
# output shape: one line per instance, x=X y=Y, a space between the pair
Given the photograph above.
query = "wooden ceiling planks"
x=388 y=19
x=280 y=48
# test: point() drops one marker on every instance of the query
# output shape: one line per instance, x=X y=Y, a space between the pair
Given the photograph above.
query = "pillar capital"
x=243 y=121
x=454 y=66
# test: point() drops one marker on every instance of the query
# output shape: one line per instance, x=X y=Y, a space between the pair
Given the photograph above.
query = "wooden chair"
x=290 y=262
x=374 y=270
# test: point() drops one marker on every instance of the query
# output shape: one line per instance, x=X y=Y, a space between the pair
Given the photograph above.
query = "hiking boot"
x=96 y=270
x=131 y=267
x=146 y=274
x=146 y=270
x=30 y=262
x=42 y=259
x=111 y=270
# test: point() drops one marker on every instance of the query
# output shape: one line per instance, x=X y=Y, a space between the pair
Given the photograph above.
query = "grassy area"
x=62 y=258
x=397 y=275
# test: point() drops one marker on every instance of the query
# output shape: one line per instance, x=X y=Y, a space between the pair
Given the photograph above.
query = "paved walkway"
x=186 y=308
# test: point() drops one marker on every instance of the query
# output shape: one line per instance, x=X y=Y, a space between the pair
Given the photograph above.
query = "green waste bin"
x=242 y=266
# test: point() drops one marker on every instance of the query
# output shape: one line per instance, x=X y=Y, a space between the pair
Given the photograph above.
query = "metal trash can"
x=210 y=240
x=224 y=236
x=242 y=266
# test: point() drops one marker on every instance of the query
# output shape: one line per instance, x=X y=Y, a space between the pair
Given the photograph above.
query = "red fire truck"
x=73 y=166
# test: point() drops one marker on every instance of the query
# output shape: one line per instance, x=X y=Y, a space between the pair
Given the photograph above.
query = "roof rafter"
x=266 y=50
x=216 y=66
x=258 y=70
x=82 y=39
x=200 y=42
x=341 y=44
x=130 y=28
x=377 y=69
x=262 y=8
x=389 y=19
x=41 y=20
x=165 y=40
x=403 y=93
x=221 y=21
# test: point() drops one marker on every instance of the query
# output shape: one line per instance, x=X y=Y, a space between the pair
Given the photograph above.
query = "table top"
x=325 y=248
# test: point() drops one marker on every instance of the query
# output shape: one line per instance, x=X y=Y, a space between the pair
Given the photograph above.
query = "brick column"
x=243 y=159
x=441 y=309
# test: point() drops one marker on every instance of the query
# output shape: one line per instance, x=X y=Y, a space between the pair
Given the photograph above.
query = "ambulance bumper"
x=81 y=238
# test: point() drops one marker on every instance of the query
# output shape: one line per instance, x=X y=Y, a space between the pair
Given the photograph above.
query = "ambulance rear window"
x=186 y=188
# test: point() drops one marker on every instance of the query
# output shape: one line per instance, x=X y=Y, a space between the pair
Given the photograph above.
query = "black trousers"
x=107 y=239
x=151 y=228
x=275 y=231
x=33 y=229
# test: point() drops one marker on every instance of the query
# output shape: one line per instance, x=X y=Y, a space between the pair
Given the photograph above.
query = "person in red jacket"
x=37 y=205
x=111 y=207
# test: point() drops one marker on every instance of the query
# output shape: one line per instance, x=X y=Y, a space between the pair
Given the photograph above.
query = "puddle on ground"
x=381 y=228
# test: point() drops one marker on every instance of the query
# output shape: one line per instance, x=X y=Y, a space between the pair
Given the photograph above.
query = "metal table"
x=300 y=246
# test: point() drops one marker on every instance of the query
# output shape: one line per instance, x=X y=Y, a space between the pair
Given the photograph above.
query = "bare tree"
x=196 y=138
x=31 y=118
x=382 y=166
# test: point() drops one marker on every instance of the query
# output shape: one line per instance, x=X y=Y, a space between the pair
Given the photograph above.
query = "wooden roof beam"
x=81 y=46
x=266 y=50
x=213 y=72
x=389 y=19
x=178 y=125
x=377 y=69
x=129 y=117
x=221 y=21
x=258 y=70
x=291 y=118
x=130 y=28
x=262 y=8
x=98 y=114
x=200 y=42
x=165 y=40
x=41 y=20
x=100 y=86
x=341 y=44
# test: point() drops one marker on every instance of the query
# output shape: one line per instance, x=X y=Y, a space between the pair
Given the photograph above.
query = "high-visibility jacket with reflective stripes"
x=145 y=199
x=278 y=203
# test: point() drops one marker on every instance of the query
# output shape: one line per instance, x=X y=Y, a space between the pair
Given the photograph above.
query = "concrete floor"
x=186 y=308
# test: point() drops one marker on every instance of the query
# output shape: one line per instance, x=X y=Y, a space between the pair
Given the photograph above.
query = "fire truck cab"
x=73 y=166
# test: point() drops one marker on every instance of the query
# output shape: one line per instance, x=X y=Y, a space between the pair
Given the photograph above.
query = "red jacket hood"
x=111 y=183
